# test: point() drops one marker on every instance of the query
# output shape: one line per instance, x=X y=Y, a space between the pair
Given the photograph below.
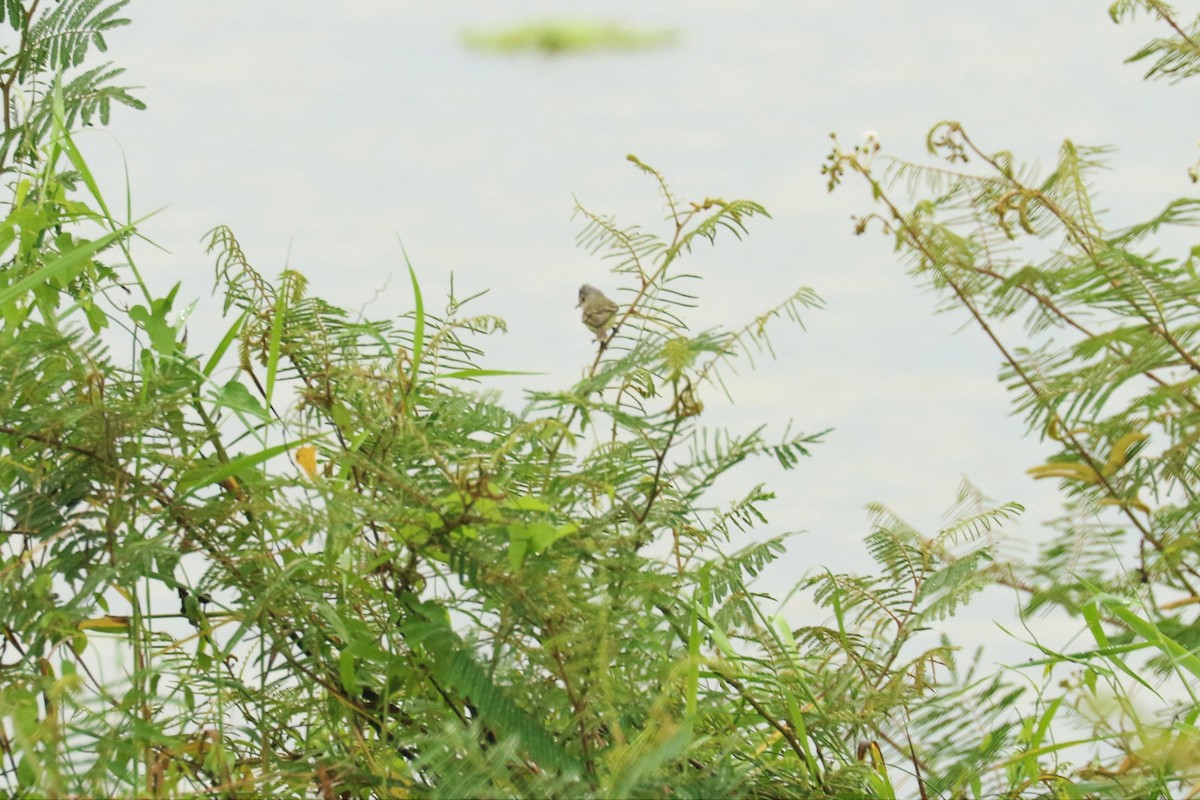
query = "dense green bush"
x=348 y=571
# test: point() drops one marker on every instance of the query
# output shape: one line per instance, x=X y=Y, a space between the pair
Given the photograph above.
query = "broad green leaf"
x=57 y=267
x=236 y=396
x=198 y=477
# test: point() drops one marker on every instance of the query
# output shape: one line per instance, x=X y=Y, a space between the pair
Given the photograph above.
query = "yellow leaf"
x=1054 y=431
x=108 y=622
x=306 y=457
x=1065 y=469
x=1121 y=449
x=1131 y=503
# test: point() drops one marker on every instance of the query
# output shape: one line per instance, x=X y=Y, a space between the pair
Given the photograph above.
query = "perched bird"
x=598 y=311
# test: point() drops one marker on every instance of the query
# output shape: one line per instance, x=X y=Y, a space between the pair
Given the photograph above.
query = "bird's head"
x=586 y=291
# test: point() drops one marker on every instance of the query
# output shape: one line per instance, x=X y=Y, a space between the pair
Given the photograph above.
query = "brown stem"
x=784 y=731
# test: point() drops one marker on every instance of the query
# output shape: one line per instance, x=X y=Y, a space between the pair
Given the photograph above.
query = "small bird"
x=598 y=311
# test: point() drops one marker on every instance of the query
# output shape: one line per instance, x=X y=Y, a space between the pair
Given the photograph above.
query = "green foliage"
x=1177 y=56
x=54 y=40
x=318 y=560
x=1106 y=374
x=336 y=568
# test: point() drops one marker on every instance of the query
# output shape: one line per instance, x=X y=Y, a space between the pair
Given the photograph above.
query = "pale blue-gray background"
x=320 y=136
